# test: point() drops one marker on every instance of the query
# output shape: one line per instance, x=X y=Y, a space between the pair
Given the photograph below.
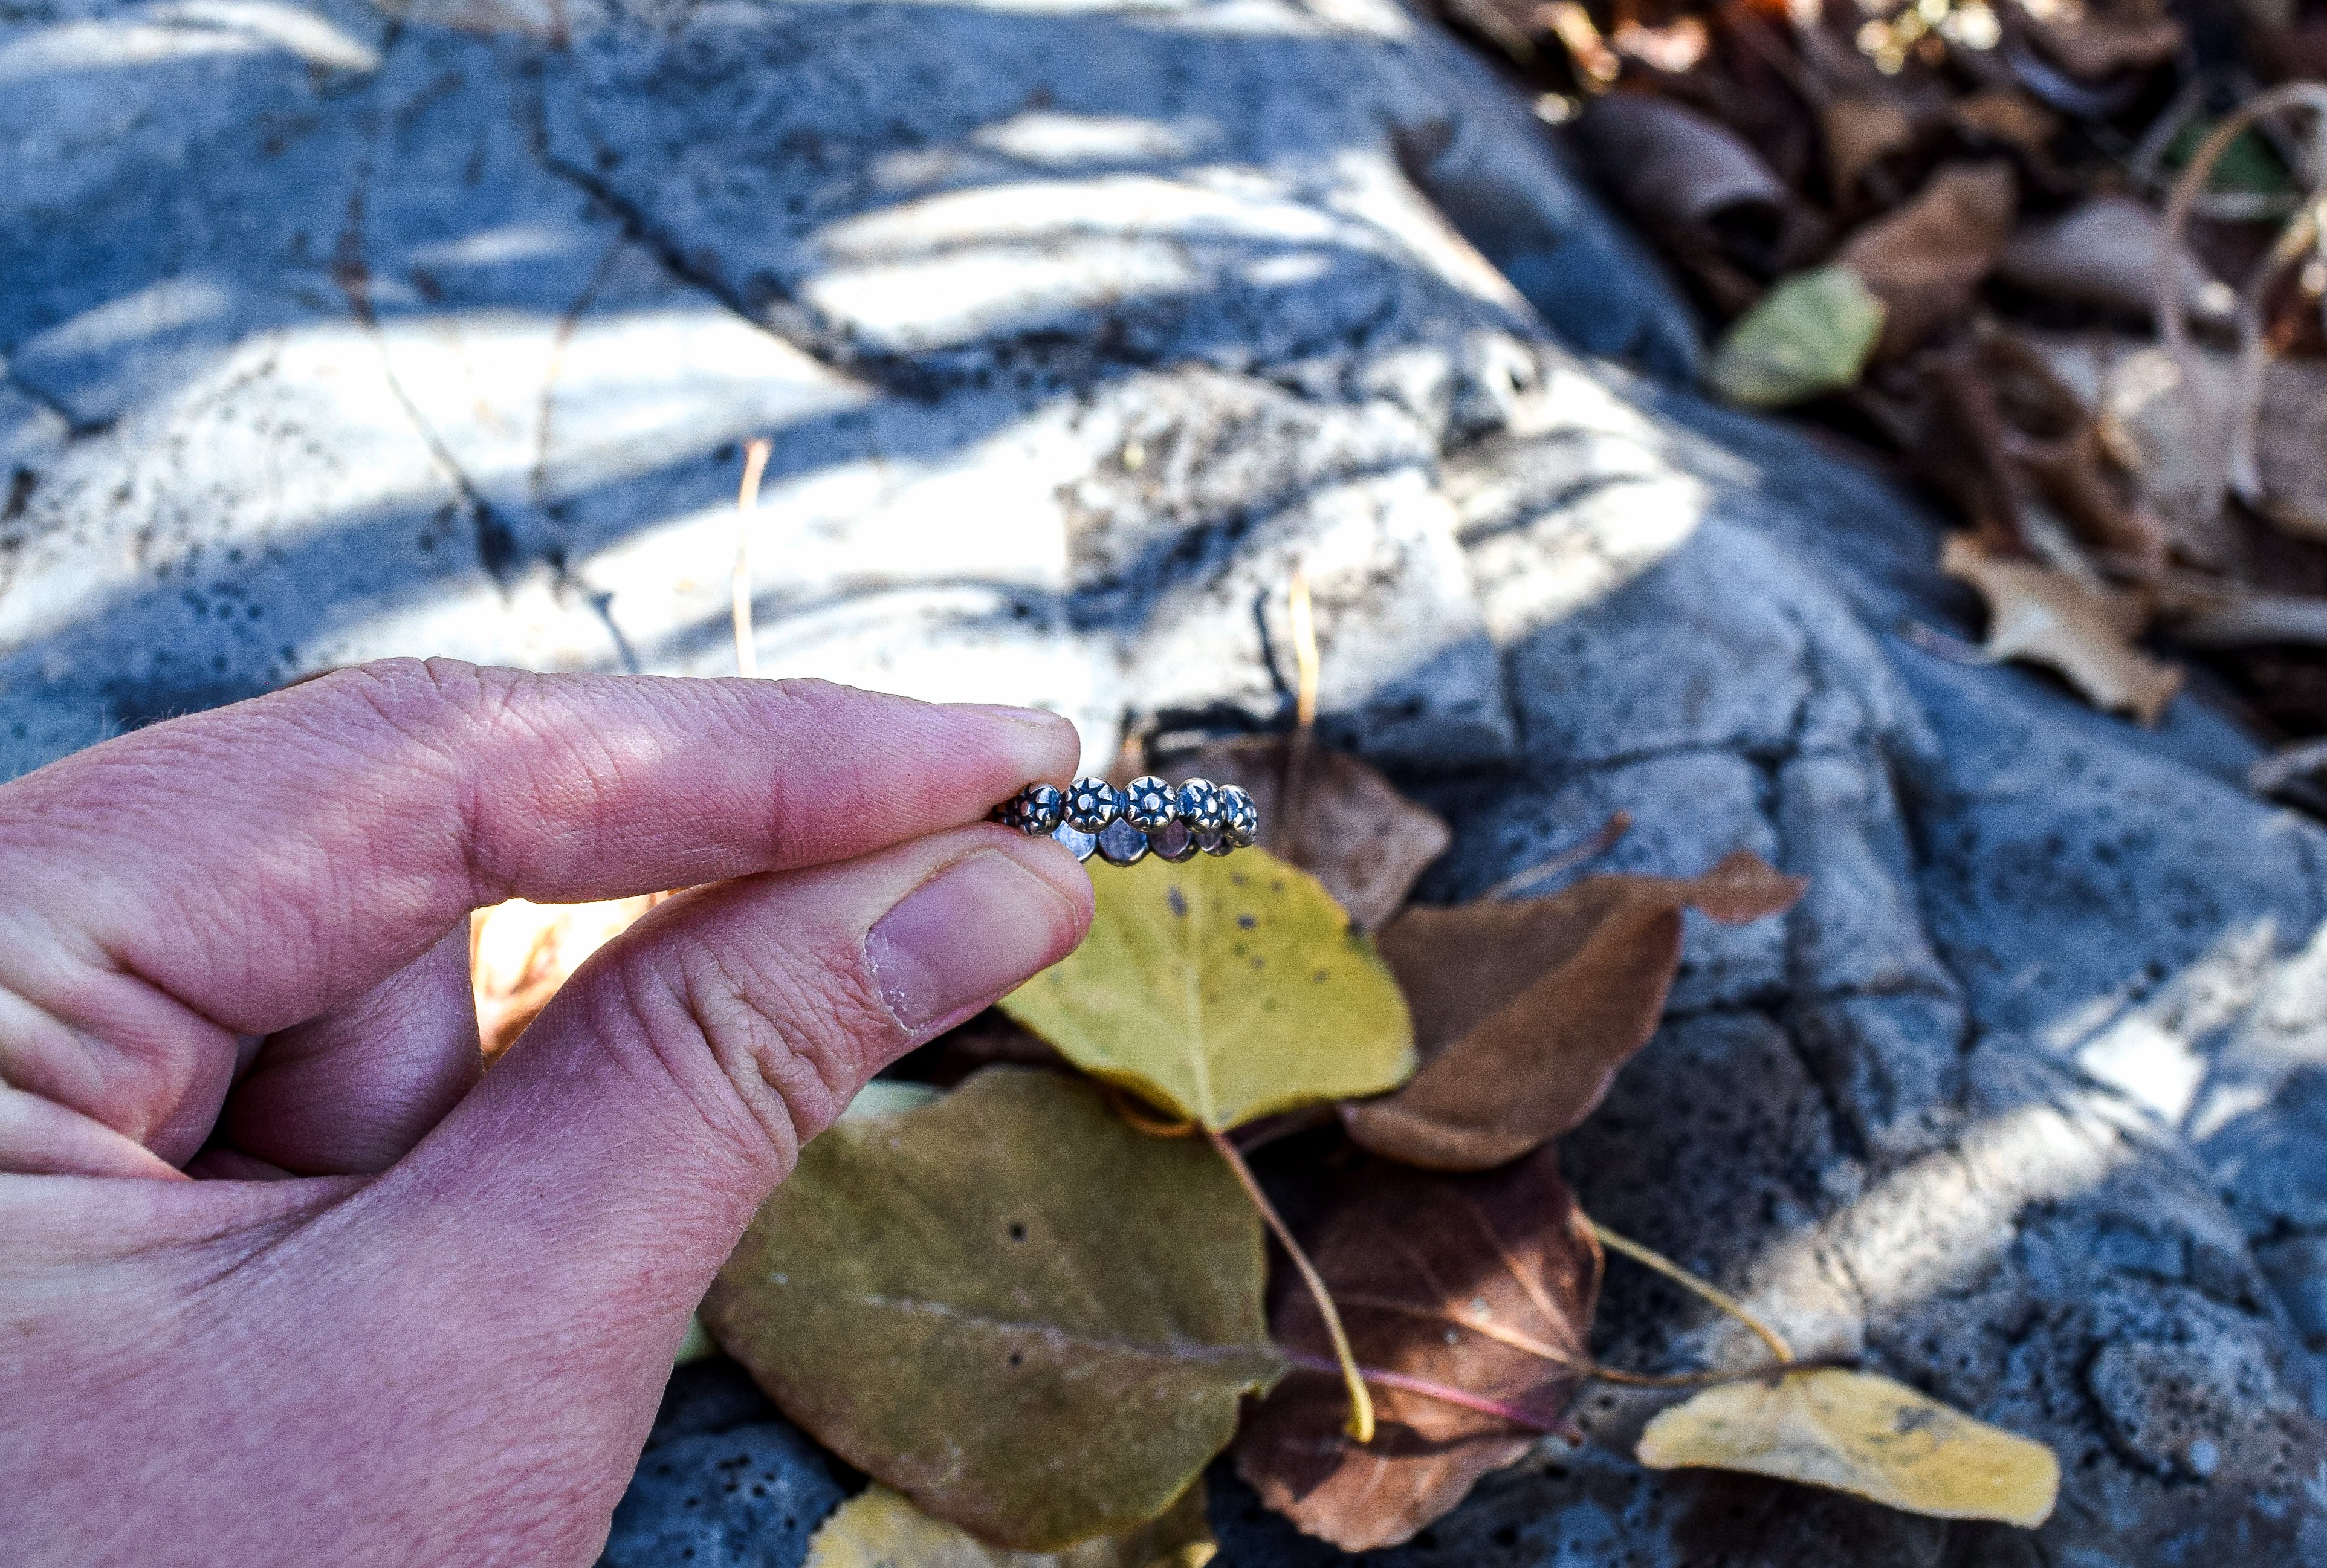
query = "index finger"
x=261 y=862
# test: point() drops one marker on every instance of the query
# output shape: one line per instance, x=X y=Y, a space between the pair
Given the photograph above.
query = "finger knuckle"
x=786 y=1040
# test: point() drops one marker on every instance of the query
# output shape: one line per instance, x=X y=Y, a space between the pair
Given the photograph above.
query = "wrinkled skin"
x=281 y=1280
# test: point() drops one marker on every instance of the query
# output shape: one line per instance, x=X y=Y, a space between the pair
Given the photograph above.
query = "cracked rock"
x=1072 y=333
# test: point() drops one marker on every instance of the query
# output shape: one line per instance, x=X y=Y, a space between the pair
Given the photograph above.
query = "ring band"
x=1124 y=827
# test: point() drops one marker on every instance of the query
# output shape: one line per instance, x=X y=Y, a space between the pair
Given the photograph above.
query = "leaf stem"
x=1687 y=1281
x=1719 y=1374
x=1443 y=1392
x=1141 y=1115
x=1361 y=1404
x=1619 y=823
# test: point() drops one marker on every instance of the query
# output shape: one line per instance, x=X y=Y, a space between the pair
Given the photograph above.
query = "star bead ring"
x=1148 y=805
x=1091 y=804
x=1147 y=816
x=1200 y=806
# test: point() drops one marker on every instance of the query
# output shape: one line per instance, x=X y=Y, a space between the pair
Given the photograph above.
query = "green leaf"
x=889 y=1097
x=1810 y=334
x=694 y=1345
x=1224 y=989
x=879 y=1529
x=2248 y=164
x=1032 y=1319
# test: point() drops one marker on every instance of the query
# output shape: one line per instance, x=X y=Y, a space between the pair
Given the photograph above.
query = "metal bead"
x=1005 y=814
x=1239 y=818
x=1173 y=842
x=1082 y=844
x=1040 y=808
x=1091 y=804
x=1215 y=843
x=1200 y=805
x=1121 y=844
x=1147 y=804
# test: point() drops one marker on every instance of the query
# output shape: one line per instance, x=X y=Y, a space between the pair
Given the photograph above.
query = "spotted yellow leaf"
x=1224 y=989
x=1857 y=1432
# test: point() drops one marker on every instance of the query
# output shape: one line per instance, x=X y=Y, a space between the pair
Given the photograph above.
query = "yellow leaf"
x=879 y=1528
x=2085 y=633
x=1224 y=989
x=1864 y=1434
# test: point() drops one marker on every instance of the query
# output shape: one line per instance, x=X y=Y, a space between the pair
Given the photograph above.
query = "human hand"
x=401 y=1316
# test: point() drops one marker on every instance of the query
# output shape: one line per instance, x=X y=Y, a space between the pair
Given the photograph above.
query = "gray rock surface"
x=1077 y=324
x=724 y=1483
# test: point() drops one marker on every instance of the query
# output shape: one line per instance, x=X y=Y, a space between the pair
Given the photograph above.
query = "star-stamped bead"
x=1200 y=806
x=1239 y=818
x=1091 y=804
x=1040 y=808
x=1148 y=804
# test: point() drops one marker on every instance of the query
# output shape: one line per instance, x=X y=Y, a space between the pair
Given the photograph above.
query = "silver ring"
x=1147 y=816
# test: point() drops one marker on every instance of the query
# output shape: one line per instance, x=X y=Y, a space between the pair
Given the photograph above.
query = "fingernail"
x=1041 y=717
x=967 y=935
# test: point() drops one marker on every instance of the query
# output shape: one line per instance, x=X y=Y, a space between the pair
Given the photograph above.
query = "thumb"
x=569 y=1213
x=673 y=1080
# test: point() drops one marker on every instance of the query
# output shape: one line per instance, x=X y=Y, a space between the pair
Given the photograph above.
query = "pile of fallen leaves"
x=2065 y=258
x=1026 y=1285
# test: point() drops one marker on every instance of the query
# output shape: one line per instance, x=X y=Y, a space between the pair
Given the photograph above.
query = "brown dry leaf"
x=1483 y=1283
x=2058 y=444
x=1862 y=1435
x=1861 y=130
x=1525 y=1009
x=521 y=953
x=2107 y=252
x=1678 y=168
x=1353 y=831
x=2093 y=40
x=2011 y=118
x=2086 y=633
x=1925 y=260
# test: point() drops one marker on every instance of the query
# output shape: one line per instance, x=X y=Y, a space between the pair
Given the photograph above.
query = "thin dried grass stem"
x=2301 y=233
x=1361 y=1404
x=747 y=503
x=1689 y=1282
x=1444 y=1393
x=1619 y=823
x=1293 y=785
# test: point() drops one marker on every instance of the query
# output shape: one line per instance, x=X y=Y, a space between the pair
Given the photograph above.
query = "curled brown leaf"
x=1924 y=260
x=1354 y=832
x=1525 y=1009
x=2083 y=631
